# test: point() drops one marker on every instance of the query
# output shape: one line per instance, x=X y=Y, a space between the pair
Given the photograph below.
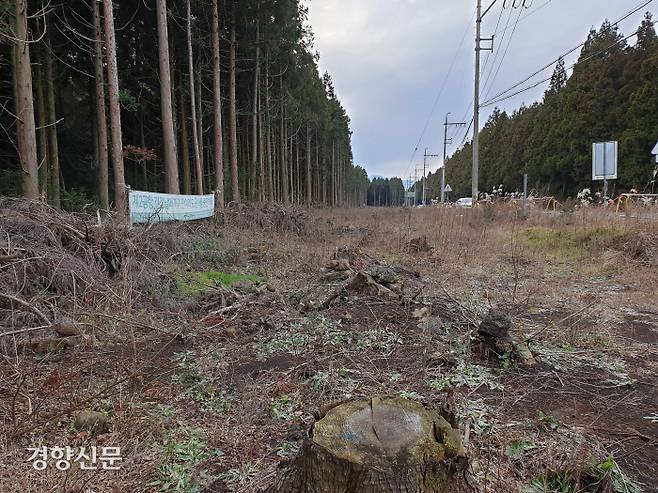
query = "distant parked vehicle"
x=465 y=202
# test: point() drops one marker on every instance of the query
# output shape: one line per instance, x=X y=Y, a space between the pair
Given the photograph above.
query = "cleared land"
x=208 y=347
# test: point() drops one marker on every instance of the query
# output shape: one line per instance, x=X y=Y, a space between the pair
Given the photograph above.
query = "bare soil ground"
x=209 y=347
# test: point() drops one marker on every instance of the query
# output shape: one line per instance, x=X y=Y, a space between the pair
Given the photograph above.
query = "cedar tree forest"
x=194 y=96
x=180 y=96
x=611 y=93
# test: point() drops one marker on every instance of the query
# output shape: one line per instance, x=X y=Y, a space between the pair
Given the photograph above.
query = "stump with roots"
x=378 y=445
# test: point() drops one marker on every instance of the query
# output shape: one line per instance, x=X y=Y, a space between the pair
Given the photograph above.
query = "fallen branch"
x=21 y=331
x=31 y=308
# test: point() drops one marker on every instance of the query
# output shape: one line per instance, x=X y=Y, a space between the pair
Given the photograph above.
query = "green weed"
x=547 y=421
x=518 y=448
x=286 y=341
x=287 y=450
x=570 y=244
x=471 y=376
x=477 y=413
x=239 y=476
x=181 y=452
x=285 y=408
x=196 y=283
x=199 y=387
x=573 y=480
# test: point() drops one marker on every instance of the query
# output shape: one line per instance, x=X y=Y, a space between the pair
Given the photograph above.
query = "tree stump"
x=378 y=445
x=495 y=341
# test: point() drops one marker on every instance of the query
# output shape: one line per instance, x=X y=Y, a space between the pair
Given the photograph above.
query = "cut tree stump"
x=494 y=340
x=378 y=445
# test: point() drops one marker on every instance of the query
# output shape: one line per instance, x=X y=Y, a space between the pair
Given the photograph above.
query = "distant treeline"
x=385 y=192
x=611 y=95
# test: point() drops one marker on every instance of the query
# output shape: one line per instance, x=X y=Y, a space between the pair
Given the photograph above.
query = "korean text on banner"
x=160 y=207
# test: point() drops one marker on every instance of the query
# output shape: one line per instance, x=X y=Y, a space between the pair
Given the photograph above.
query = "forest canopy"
x=210 y=95
x=611 y=94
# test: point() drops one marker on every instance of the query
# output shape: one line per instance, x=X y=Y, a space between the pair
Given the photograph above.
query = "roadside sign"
x=604 y=160
x=655 y=151
x=448 y=188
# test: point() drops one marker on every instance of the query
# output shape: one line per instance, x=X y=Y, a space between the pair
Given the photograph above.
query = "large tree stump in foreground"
x=379 y=445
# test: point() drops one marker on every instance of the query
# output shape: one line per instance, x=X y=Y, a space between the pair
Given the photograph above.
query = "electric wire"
x=492 y=102
x=549 y=65
x=497 y=52
x=486 y=59
x=502 y=60
x=457 y=130
x=438 y=97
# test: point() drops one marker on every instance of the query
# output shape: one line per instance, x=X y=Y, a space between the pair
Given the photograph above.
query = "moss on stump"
x=378 y=445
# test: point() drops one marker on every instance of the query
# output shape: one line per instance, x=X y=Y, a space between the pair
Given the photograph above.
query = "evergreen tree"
x=611 y=95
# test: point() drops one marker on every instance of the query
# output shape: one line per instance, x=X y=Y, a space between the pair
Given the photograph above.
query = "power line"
x=502 y=60
x=486 y=60
x=438 y=97
x=533 y=12
x=492 y=102
x=509 y=18
x=545 y=67
x=468 y=129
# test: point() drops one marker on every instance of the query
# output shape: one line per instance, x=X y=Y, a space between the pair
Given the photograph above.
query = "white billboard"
x=604 y=160
x=148 y=207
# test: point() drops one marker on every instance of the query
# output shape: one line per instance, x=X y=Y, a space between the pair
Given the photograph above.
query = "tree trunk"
x=268 y=134
x=185 y=144
x=142 y=144
x=196 y=147
x=254 y=118
x=26 y=131
x=377 y=445
x=283 y=164
x=333 y=174
x=53 y=143
x=101 y=116
x=42 y=130
x=199 y=123
x=217 y=106
x=261 y=154
x=324 y=184
x=115 y=111
x=233 y=122
x=317 y=169
x=166 y=105
x=298 y=175
x=308 y=165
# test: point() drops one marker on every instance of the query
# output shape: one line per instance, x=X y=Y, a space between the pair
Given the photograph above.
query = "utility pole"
x=446 y=141
x=476 y=105
x=424 y=173
x=415 y=182
x=476 y=96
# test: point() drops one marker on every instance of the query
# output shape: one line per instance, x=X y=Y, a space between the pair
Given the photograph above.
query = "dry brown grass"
x=580 y=284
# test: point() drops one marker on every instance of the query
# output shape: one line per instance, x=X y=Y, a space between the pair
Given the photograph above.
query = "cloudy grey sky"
x=390 y=58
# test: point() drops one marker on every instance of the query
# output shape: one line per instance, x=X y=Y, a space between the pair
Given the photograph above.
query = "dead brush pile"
x=267 y=217
x=51 y=262
x=642 y=247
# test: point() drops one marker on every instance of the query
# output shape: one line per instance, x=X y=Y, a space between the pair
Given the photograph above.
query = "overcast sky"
x=390 y=58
